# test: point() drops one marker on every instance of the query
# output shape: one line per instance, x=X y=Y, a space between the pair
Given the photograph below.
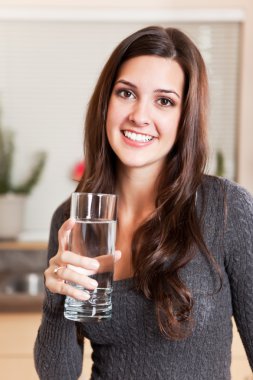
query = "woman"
x=186 y=239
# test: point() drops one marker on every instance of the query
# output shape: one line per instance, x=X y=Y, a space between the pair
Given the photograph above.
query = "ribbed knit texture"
x=130 y=346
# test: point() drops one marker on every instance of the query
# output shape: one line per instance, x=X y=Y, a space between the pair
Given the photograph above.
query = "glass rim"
x=95 y=194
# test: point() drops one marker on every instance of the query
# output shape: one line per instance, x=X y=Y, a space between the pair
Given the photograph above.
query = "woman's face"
x=144 y=110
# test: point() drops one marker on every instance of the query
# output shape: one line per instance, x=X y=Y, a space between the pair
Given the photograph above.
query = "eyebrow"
x=127 y=83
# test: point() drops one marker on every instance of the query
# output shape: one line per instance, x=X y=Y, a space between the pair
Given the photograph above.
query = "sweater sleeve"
x=239 y=261
x=58 y=353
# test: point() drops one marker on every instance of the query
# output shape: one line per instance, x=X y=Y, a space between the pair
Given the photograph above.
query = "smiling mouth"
x=137 y=136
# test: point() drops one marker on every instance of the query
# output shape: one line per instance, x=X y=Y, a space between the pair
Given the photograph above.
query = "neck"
x=137 y=192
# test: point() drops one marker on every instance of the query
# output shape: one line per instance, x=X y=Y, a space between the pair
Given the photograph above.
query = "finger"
x=63 y=233
x=66 y=274
x=86 y=272
x=76 y=293
x=68 y=257
x=61 y=287
x=105 y=261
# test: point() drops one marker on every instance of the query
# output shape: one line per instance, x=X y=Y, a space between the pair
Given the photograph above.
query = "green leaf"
x=6 y=162
x=220 y=166
x=6 y=159
x=27 y=186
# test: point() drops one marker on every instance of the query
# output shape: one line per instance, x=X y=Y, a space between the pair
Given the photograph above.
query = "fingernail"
x=117 y=255
x=93 y=282
x=94 y=264
x=84 y=296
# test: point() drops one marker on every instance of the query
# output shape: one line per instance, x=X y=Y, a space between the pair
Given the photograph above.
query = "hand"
x=73 y=268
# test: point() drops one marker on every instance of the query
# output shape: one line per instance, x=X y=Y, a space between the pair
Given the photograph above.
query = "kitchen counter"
x=22 y=246
x=21 y=303
x=21 y=276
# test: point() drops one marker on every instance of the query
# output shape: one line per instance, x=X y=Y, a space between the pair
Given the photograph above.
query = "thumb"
x=63 y=234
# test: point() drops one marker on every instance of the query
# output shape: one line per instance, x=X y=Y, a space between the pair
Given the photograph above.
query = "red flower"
x=78 y=171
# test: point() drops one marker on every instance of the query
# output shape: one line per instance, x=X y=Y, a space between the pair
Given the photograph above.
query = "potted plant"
x=220 y=165
x=13 y=197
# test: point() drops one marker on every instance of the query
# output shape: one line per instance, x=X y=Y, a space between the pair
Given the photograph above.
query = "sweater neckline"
x=124 y=283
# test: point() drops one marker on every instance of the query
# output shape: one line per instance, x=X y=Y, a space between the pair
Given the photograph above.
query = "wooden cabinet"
x=240 y=368
x=87 y=362
x=18 y=332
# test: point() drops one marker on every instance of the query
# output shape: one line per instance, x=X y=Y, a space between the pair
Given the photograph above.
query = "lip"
x=137 y=144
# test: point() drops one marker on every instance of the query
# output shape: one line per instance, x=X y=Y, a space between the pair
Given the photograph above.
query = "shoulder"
x=235 y=200
x=230 y=189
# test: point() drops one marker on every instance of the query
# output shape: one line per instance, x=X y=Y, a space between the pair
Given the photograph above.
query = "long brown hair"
x=167 y=241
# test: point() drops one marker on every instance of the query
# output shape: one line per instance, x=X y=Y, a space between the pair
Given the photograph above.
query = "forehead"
x=152 y=71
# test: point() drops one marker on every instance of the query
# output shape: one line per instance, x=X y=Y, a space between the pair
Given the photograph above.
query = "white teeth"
x=137 y=137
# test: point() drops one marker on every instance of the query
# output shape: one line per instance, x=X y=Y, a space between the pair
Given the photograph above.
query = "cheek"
x=115 y=118
x=169 y=126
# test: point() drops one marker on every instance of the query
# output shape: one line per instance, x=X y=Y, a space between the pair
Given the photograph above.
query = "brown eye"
x=125 y=94
x=165 y=102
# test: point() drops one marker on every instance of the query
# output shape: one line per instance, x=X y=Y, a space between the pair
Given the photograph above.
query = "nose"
x=140 y=114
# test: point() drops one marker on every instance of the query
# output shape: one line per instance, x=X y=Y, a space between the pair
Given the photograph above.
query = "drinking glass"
x=93 y=235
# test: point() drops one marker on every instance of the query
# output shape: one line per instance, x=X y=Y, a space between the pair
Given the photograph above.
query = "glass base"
x=78 y=317
x=98 y=307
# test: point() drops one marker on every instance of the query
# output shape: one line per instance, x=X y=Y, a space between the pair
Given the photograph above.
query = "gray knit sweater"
x=130 y=346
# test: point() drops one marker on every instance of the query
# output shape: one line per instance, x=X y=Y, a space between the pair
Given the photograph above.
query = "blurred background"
x=51 y=53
